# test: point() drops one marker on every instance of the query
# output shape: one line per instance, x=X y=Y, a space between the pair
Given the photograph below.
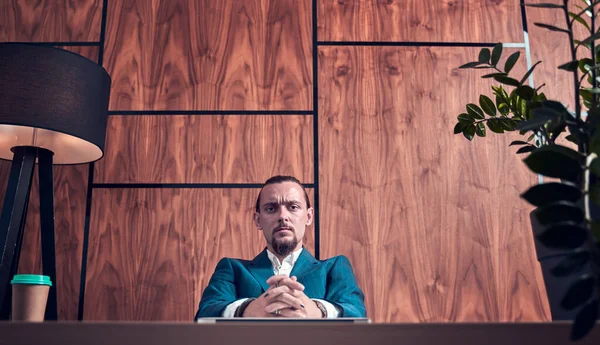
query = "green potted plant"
x=565 y=221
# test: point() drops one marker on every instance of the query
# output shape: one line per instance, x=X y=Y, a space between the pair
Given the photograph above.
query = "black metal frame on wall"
x=314 y=113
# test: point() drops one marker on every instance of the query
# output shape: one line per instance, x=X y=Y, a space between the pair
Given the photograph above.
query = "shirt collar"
x=291 y=259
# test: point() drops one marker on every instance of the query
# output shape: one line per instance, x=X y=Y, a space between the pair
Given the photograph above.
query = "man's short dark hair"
x=280 y=179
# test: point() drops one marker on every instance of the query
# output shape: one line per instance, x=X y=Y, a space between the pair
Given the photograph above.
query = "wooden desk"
x=62 y=333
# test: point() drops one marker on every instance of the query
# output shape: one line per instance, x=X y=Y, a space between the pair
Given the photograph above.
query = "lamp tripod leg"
x=12 y=221
x=47 y=228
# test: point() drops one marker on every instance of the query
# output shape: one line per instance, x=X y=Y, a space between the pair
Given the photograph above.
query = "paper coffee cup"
x=29 y=296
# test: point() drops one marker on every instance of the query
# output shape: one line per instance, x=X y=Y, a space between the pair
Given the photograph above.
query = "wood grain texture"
x=226 y=55
x=50 y=20
x=152 y=251
x=552 y=48
x=206 y=149
x=70 y=192
x=415 y=20
x=432 y=223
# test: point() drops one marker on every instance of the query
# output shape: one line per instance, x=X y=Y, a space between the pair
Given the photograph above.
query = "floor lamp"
x=53 y=110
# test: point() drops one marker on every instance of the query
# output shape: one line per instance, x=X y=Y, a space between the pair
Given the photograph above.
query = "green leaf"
x=469 y=132
x=480 y=129
x=500 y=92
x=470 y=64
x=578 y=293
x=589 y=39
x=496 y=54
x=595 y=226
x=503 y=108
x=565 y=235
x=544 y=5
x=518 y=142
x=580 y=20
x=460 y=127
x=571 y=264
x=572 y=139
x=508 y=124
x=487 y=105
x=466 y=118
x=586 y=95
x=495 y=125
x=595 y=143
x=559 y=211
x=593 y=91
x=551 y=192
x=475 y=111
x=507 y=80
x=585 y=64
x=595 y=166
x=570 y=66
x=525 y=92
x=585 y=320
x=511 y=61
x=484 y=56
x=551 y=108
x=551 y=27
x=595 y=194
x=491 y=75
x=556 y=161
x=529 y=72
x=526 y=149
x=534 y=123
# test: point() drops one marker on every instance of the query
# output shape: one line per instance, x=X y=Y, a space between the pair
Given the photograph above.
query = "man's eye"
x=270 y=209
x=294 y=207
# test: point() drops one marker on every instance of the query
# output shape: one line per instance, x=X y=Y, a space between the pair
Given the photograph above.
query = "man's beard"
x=284 y=247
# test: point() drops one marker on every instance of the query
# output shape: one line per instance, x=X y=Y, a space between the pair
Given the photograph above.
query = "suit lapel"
x=261 y=269
x=305 y=264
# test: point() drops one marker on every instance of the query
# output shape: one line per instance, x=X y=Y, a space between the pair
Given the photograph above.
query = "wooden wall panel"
x=152 y=251
x=433 y=223
x=50 y=20
x=416 y=20
x=208 y=55
x=206 y=149
x=70 y=193
x=552 y=49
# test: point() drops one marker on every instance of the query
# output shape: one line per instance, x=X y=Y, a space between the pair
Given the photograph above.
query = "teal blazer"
x=331 y=280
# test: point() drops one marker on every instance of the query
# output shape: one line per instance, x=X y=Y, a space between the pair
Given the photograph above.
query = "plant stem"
x=575 y=73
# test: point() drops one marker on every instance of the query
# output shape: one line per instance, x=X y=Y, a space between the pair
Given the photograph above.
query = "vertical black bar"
x=47 y=229
x=102 y=32
x=88 y=204
x=86 y=238
x=523 y=16
x=315 y=56
x=11 y=220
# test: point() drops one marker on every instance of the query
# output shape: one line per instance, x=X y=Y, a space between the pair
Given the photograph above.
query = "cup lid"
x=33 y=279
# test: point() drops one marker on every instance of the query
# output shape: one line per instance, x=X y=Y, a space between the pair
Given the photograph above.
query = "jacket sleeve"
x=343 y=290
x=220 y=291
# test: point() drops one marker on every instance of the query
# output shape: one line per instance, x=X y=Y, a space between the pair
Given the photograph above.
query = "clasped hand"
x=284 y=298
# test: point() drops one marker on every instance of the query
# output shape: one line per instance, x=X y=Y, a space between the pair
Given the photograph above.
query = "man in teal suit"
x=284 y=280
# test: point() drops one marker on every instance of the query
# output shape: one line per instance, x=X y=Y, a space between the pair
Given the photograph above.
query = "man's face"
x=283 y=216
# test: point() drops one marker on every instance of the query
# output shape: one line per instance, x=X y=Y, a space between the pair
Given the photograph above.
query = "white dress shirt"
x=284 y=267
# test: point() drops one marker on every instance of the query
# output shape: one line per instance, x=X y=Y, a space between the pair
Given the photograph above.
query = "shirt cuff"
x=230 y=309
x=332 y=311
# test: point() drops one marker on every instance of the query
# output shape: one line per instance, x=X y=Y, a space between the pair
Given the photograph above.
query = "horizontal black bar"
x=407 y=44
x=210 y=112
x=185 y=185
x=64 y=44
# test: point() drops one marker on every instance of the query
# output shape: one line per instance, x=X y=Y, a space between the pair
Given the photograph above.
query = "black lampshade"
x=54 y=99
